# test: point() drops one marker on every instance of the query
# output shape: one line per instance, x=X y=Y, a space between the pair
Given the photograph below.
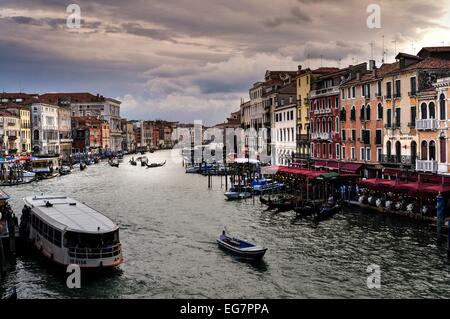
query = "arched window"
x=353 y=114
x=432 y=112
x=398 y=152
x=432 y=156
x=389 y=149
x=336 y=125
x=424 y=111
x=424 y=151
x=363 y=113
x=343 y=115
x=442 y=107
x=324 y=126
x=368 y=113
x=443 y=147
x=380 y=111
x=330 y=125
x=413 y=152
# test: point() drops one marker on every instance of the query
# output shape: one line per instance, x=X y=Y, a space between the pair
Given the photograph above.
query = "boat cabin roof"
x=68 y=214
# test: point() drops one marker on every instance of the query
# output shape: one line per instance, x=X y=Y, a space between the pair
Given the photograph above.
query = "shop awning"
x=352 y=168
x=437 y=189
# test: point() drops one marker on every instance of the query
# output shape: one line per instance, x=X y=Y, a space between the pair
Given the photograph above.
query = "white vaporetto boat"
x=69 y=232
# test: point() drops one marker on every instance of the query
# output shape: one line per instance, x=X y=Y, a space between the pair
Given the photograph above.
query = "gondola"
x=83 y=166
x=327 y=212
x=240 y=247
x=64 y=170
x=280 y=203
x=155 y=165
x=133 y=163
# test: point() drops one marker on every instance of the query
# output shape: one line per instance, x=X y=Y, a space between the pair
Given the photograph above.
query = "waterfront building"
x=305 y=79
x=86 y=104
x=23 y=112
x=87 y=134
x=432 y=128
x=274 y=82
x=9 y=133
x=361 y=119
x=45 y=135
x=65 y=132
x=106 y=136
x=19 y=104
x=284 y=130
x=128 y=136
x=407 y=90
x=252 y=111
x=325 y=109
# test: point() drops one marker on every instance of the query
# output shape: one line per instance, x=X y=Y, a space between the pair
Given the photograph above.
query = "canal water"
x=169 y=223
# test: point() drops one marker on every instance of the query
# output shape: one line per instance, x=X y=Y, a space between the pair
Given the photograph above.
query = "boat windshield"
x=81 y=240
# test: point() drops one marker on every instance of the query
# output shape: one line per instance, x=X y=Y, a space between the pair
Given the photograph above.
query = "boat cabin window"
x=41 y=164
x=81 y=240
x=48 y=232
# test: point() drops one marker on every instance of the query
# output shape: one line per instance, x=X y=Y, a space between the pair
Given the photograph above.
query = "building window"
x=423 y=111
x=368 y=113
x=442 y=107
x=413 y=116
x=344 y=155
x=353 y=135
x=397 y=117
x=432 y=110
x=398 y=88
x=379 y=88
x=432 y=151
x=353 y=92
x=443 y=147
x=338 y=152
x=353 y=154
x=389 y=90
x=379 y=154
x=424 y=151
x=389 y=149
x=363 y=154
x=344 y=135
x=368 y=154
x=353 y=114
x=363 y=113
x=413 y=86
x=379 y=137
x=380 y=111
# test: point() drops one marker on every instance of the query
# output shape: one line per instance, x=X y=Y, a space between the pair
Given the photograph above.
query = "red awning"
x=436 y=189
x=352 y=168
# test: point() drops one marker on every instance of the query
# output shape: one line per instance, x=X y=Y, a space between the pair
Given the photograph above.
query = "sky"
x=183 y=60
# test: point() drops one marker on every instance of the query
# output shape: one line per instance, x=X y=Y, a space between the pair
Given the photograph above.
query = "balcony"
x=396 y=160
x=427 y=125
x=412 y=94
x=303 y=137
x=325 y=92
x=427 y=166
x=321 y=136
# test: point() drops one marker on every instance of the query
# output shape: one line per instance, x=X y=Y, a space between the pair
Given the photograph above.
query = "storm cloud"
x=185 y=60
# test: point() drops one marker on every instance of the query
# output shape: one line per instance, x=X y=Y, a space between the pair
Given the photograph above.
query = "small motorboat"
x=193 y=170
x=155 y=165
x=239 y=192
x=83 y=166
x=133 y=162
x=264 y=186
x=65 y=170
x=241 y=247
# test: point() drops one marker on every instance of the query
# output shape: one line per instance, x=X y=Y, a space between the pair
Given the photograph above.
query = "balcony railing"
x=323 y=92
x=427 y=125
x=321 y=136
x=397 y=159
x=427 y=166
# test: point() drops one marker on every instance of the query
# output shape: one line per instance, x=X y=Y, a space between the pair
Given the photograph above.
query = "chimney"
x=372 y=65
